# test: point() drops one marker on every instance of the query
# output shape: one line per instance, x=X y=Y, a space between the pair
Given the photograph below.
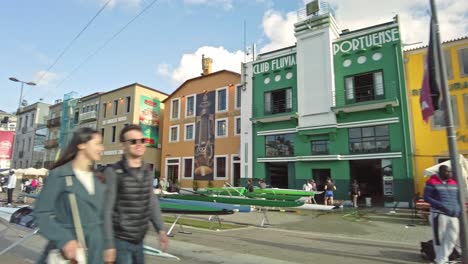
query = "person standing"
x=130 y=203
x=441 y=192
x=11 y=186
x=355 y=192
x=308 y=188
x=73 y=173
x=329 y=189
x=262 y=184
x=249 y=187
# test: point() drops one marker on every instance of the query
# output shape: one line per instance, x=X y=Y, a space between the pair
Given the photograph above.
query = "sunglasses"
x=135 y=141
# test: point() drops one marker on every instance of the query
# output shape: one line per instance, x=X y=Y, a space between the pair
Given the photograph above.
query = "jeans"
x=129 y=253
x=10 y=195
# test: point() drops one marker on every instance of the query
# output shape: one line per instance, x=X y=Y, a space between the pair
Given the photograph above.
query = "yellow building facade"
x=430 y=139
x=201 y=137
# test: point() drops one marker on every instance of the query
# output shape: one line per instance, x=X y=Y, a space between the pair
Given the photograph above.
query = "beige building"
x=201 y=136
x=52 y=140
x=131 y=104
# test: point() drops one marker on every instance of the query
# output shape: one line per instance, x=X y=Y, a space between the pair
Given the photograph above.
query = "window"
x=279 y=101
x=238 y=96
x=369 y=139
x=438 y=119
x=20 y=122
x=32 y=120
x=463 y=61
x=26 y=121
x=189 y=132
x=319 y=147
x=29 y=144
x=220 y=167
x=448 y=64
x=76 y=117
x=128 y=104
x=221 y=127
x=190 y=106
x=116 y=107
x=465 y=99
x=175 y=109
x=104 y=111
x=279 y=145
x=237 y=127
x=364 y=87
x=188 y=168
x=96 y=107
x=114 y=130
x=102 y=134
x=174 y=134
x=221 y=100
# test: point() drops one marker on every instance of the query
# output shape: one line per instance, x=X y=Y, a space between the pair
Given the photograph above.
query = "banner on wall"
x=6 y=144
x=149 y=120
x=204 y=136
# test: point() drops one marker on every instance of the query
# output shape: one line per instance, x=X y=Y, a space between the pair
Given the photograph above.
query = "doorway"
x=320 y=177
x=368 y=174
x=277 y=174
x=173 y=173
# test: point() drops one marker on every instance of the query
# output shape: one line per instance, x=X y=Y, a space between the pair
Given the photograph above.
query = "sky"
x=163 y=46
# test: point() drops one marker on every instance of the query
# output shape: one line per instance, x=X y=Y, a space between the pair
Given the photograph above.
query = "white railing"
x=324 y=9
x=88 y=116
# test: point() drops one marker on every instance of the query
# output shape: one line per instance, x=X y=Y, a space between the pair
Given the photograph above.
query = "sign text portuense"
x=367 y=41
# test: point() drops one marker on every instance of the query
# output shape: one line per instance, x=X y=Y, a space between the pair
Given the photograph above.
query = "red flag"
x=430 y=92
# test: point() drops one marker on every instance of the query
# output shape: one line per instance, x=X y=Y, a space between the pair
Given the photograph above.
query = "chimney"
x=206 y=65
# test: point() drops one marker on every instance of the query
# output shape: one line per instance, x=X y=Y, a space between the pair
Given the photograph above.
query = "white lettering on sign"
x=112 y=152
x=275 y=64
x=375 y=39
x=114 y=120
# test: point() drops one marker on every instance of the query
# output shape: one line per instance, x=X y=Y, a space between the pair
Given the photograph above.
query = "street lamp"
x=13 y=79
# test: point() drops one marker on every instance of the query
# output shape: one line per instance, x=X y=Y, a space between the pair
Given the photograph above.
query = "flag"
x=430 y=92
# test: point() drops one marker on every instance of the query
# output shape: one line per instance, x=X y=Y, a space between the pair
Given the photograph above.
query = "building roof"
x=197 y=78
x=444 y=42
x=367 y=28
x=90 y=96
x=134 y=84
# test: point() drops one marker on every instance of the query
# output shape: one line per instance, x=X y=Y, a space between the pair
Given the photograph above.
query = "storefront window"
x=279 y=145
x=369 y=139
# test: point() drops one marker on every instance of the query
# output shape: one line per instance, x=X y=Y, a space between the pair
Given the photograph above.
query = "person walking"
x=441 y=192
x=11 y=187
x=355 y=192
x=73 y=174
x=329 y=189
x=130 y=203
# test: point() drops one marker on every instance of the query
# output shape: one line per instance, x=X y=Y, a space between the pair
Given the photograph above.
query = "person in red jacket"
x=441 y=192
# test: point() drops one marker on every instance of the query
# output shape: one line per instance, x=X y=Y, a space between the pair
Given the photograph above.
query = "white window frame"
x=194 y=105
x=235 y=125
x=178 y=109
x=182 y=175
x=185 y=132
x=232 y=167
x=216 y=127
x=238 y=89
x=166 y=167
x=170 y=134
x=460 y=62
x=227 y=100
x=215 y=165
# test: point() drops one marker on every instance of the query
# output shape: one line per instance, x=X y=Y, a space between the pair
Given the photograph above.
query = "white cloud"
x=46 y=78
x=225 y=4
x=190 y=64
x=278 y=29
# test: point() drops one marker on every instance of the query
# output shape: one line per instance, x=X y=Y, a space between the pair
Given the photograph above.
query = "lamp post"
x=13 y=79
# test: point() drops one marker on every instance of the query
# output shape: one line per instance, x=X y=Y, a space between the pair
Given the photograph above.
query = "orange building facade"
x=201 y=137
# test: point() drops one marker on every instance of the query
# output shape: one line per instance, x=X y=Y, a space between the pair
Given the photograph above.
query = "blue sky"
x=163 y=47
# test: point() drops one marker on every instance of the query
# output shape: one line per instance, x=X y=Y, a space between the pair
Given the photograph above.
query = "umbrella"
x=19 y=171
x=43 y=172
x=432 y=170
x=31 y=171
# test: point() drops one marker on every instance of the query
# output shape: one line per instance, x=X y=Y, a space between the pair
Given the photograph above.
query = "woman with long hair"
x=53 y=208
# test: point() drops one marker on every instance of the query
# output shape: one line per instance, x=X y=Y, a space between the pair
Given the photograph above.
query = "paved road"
x=306 y=237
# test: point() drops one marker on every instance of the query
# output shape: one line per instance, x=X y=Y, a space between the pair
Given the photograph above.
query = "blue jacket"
x=443 y=197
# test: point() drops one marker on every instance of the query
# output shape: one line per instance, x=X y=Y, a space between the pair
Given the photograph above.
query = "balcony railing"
x=366 y=95
x=88 y=116
x=51 y=143
x=276 y=107
x=54 y=122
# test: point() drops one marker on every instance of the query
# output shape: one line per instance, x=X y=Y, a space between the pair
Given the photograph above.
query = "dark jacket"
x=54 y=218
x=131 y=204
x=443 y=197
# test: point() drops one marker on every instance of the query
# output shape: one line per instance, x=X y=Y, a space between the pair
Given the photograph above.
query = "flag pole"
x=451 y=136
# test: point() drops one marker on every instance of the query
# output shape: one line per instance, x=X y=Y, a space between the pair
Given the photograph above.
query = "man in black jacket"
x=130 y=203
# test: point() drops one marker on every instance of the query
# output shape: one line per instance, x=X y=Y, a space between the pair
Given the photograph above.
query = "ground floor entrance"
x=370 y=177
x=277 y=174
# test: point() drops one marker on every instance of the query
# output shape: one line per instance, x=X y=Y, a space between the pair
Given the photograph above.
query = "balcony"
x=51 y=143
x=88 y=116
x=54 y=122
x=276 y=111
x=366 y=97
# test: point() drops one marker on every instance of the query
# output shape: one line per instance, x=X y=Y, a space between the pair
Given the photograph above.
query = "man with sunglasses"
x=130 y=203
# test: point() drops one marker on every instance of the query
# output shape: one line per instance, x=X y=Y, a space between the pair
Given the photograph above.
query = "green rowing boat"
x=238 y=200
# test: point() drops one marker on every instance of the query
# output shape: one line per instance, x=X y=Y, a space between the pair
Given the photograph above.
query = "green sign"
x=275 y=64
x=149 y=120
x=367 y=41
